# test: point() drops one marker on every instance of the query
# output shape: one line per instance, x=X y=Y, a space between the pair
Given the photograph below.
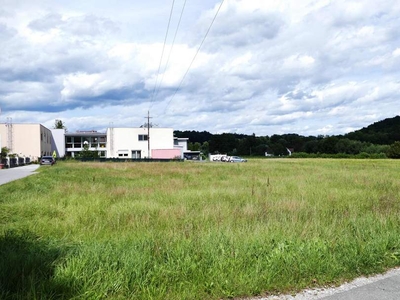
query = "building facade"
x=26 y=140
x=136 y=142
x=76 y=141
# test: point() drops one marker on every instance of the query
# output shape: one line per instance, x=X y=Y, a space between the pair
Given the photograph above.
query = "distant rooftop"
x=86 y=132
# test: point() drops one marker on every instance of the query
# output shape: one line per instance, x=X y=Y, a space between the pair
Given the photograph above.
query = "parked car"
x=237 y=159
x=47 y=160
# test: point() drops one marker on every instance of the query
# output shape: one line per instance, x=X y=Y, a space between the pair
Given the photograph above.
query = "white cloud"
x=266 y=67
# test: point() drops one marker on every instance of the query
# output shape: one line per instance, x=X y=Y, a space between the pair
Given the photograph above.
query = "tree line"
x=380 y=139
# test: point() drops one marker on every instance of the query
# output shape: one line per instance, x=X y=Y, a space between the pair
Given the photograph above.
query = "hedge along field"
x=187 y=230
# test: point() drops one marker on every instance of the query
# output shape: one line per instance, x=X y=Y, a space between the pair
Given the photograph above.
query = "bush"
x=394 y=150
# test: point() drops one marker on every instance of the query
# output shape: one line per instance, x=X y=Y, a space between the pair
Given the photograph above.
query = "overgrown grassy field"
x=196 y=230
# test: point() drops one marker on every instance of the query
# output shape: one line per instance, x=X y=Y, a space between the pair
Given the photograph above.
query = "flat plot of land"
x=197 y=230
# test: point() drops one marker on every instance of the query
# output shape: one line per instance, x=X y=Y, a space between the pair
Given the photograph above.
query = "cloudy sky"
x=265 y=67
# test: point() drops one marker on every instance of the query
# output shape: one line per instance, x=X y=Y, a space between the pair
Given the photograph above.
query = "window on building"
x=77 y=142
x=68 y=142
x=136 y=154
x=142 y=137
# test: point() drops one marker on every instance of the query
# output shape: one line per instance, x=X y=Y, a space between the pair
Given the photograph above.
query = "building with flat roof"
x=75 y=142
x=135 y=142
x=26 y=140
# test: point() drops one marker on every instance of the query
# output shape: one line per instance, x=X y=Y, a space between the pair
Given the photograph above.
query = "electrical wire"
x=162 y=53
x=170 y=51
x=197 y=52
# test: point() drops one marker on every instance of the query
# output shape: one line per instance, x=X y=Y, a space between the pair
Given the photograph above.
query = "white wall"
x=182 y=143
x=58 y=142
x=125 y=140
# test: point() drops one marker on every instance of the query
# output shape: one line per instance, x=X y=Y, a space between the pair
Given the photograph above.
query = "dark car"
x=47 y=160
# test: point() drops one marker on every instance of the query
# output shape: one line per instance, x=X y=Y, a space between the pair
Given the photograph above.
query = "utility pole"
x=9 y=126
x=148 y=133
x=111 y=141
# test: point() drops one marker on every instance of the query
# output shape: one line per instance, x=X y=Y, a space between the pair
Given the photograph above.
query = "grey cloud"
x=6 y=32
x=50 y=100
x=239 y=29
x=29 y=66
x=298 y=95
x=47 y=22
x=88 y=25
x=125 y=95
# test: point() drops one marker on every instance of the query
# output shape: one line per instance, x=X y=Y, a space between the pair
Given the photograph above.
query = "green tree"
x=196 y=146
x=222 y=143
x=327 y=145
x=59 y=124
x=394 y=150
x=4 y=153
x=205 y=148
x=86 y=153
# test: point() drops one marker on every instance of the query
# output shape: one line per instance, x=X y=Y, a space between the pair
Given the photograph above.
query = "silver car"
x=237 y=159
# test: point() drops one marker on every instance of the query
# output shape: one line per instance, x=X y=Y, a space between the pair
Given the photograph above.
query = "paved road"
x=380 y=287
x=383 y=289
x=7 y=175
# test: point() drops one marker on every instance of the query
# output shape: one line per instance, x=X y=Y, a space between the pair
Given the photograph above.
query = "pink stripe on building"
x=165 y=153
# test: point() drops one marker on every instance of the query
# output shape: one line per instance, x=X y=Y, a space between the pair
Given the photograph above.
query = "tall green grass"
x=196 y=230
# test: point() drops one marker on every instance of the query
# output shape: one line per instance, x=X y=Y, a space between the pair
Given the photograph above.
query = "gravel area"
x=320 y=293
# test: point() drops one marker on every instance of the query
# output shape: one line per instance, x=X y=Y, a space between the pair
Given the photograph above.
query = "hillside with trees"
x=376 y=140
x=384 y=132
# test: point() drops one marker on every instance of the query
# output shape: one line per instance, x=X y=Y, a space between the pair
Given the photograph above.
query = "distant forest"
x=376 y=140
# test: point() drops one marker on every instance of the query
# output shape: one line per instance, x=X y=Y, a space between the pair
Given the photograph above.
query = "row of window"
x=134 y=154
x=79 y=142
x=80 y=145
x=80 y=139
x=47 y=140
x=93 y=142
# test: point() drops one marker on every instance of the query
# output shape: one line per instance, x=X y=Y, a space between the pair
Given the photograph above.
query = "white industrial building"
x=135 y=143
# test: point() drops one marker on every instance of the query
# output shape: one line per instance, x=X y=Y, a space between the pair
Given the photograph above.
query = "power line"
x=197 y=52
x=162 y=53
x=148 y=134
x=173 y=43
